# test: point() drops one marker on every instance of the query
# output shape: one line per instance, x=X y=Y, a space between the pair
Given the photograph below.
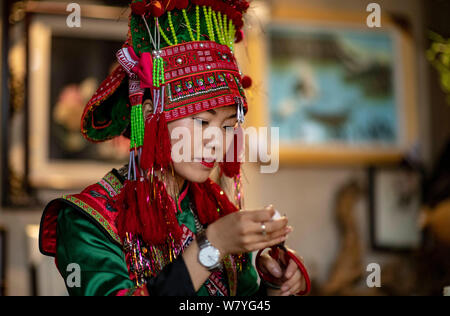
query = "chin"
x=193 y=172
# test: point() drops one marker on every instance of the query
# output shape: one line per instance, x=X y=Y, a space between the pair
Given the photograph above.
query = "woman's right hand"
x=241 y=232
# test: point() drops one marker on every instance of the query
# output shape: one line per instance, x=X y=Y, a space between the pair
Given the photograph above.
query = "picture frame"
x=329 y=152
x=394 y=203
x=2 y=262
x=59 y=158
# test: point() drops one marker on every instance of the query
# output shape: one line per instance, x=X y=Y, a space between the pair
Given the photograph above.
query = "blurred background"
x=360 y=92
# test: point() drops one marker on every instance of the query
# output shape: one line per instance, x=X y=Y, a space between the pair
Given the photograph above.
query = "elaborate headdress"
x=183 y=52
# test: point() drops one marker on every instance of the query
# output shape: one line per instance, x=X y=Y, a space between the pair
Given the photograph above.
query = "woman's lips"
x=208 y=164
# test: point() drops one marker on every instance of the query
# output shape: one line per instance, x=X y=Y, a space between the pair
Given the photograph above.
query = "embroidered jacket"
x=81 y=229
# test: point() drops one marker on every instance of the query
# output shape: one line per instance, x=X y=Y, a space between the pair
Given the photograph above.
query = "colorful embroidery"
x=94 y=214
x=115 y=183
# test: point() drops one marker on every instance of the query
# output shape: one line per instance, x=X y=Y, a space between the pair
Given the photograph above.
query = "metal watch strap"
x=202 y=241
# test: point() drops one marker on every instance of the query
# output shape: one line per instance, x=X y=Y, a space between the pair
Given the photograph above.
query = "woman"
x=160 y=226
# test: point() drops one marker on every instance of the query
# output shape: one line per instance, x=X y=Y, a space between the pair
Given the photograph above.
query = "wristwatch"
x=208 y=256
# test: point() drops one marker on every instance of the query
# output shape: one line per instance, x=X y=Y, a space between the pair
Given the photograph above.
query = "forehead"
x=222 y=111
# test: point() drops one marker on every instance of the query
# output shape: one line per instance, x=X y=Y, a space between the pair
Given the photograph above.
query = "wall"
x=306 y=194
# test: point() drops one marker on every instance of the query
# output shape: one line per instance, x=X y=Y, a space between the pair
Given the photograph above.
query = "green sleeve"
x=102 y=263
x=248 y=279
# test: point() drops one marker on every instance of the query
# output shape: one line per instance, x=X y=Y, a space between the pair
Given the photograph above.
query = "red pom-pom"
x=139 y=7
x=215 y=5
x=169 y=5
x=221 y=7
x=246 y=82
x=182 y=4
x=239 y=36
x=229 y=11
x=245 y=6
x=157 y=9
x=198 y=2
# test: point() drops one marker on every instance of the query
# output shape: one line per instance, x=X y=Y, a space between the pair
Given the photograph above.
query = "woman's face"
x=208 y=146
x=199 y=163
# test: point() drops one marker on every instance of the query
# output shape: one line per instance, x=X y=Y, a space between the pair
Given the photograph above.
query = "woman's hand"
x=242 y=232
x=290 y=279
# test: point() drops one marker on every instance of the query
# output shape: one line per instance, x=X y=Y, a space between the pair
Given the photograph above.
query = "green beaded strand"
x=222 y=33
x=188 y=24
x=133 y=128
x=141 y=126
x=174 y=34
x=163 y=72
x=165 y=36
x=216 y=23
x=197 y=16
x=225 y=27
x=208 y=14
x=230 y=35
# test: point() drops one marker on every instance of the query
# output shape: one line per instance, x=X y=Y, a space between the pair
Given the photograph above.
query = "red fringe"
x=127 y=220
x=154 y=219
x=164 y=149
x=149 y=148
x=232 y=168
x=208 y=199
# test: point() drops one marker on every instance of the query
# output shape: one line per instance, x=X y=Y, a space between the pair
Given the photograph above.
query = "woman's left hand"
x=291 y=279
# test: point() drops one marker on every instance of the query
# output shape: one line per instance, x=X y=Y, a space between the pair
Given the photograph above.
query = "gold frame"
x=256 y=46
x=43 y=172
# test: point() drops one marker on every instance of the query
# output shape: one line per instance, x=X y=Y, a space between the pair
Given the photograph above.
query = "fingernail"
x=284 y=288
x=276 y=271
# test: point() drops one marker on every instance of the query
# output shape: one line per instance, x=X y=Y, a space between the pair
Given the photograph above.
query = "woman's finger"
x=291 y=269
x=259 y=238
x=260 y=215
x=268 y=244
x=269 y=265
x=293 y=283
x=270 y=226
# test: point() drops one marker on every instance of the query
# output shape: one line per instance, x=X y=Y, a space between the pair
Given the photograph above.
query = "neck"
x=174 y=183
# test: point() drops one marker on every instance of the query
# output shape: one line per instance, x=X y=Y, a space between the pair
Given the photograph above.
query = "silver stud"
x=208 y=67
x=179 y=61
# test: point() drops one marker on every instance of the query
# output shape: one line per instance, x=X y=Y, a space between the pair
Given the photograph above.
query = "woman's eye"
x=201 y=121
x=231 y=126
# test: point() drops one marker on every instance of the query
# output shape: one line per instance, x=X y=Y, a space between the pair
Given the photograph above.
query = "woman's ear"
x=147 y=108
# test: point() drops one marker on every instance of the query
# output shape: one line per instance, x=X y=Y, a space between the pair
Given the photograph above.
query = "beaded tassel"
x=137 y=127
x=158 y=70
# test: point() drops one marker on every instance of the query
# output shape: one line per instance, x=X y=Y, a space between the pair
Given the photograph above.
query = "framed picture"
x=339 y=91
x=395 y=199
x=2 y=262
x=66 y=67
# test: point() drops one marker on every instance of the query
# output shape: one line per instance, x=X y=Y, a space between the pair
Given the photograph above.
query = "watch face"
x=209 y=256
